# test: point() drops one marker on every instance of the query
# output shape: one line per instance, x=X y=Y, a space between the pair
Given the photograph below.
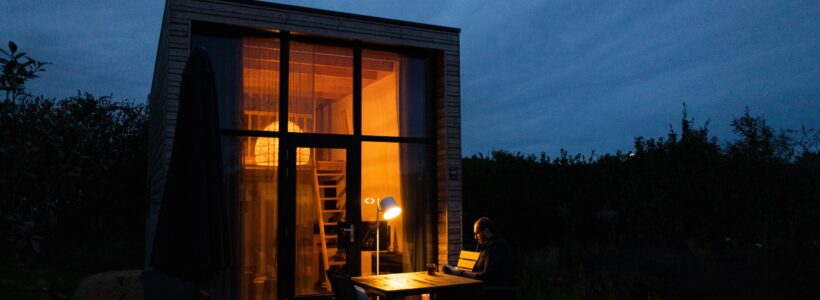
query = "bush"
x=682 y=191
x=72 y=184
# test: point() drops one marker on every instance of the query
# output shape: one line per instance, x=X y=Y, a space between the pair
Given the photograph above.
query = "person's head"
x=484 y=229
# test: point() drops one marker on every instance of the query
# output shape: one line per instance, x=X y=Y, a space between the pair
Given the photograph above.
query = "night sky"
x=537 y=76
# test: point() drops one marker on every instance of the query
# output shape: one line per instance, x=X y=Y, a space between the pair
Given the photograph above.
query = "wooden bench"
x=467 y=260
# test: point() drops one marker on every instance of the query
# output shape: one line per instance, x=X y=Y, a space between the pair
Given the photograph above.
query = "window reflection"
x=394 y=95
x=255 y=191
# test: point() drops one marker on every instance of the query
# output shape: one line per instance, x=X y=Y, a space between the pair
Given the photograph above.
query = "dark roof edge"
x=347 y=15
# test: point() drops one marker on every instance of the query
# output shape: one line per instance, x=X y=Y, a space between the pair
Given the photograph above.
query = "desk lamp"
x=391 y=210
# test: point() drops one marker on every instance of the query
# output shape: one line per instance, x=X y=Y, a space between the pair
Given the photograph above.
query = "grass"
x=565 y=273
x=19 y=281
x=572 y=270
x=602 y=271
x=55 y=273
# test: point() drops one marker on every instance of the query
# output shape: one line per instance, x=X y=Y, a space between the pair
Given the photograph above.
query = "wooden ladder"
x=329 y=181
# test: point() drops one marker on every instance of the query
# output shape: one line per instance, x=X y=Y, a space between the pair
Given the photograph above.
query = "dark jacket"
x=495 y=263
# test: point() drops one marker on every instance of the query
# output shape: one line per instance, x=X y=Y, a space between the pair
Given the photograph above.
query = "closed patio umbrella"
x=192 y=236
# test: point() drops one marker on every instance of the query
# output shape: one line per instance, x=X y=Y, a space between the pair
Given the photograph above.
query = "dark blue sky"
x=536 y=75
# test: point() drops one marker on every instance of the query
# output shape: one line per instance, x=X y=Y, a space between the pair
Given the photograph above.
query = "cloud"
x=103 y=47
x=608 y=72
x=536 y=75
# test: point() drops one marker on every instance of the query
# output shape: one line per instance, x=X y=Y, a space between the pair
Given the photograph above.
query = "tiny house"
x=321 y=115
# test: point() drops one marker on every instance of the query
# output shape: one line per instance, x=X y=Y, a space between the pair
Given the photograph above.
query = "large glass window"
x=320 y=98
x=247 y=80
x=321 y=193
x=394 y=95
x=395 y=105
x=247 y=77
x=225 y=53
x=255 y=189
x=402 y=171
x=260 y=84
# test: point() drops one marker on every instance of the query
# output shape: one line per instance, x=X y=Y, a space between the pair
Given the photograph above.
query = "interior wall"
x=380 y=161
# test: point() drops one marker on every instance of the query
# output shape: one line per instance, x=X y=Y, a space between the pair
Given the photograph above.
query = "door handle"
x=351 y=230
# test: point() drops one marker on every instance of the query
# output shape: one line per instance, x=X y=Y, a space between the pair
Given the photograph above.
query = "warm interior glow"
x=266 y=149
x=320 y=100
x=380 y=107
x=260 y=83
x=392 y=213
x=321 y=86
x=381 y=174
x=380 y=98
x=257 y=185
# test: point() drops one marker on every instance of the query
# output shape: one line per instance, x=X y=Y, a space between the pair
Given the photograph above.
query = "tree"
x=758 y=142
x=16 y=72
x=69 y=168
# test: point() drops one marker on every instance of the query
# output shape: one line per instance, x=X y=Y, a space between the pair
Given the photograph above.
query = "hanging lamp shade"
x=266 y=149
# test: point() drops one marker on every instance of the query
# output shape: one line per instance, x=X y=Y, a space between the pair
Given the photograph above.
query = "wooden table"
x=416 y=283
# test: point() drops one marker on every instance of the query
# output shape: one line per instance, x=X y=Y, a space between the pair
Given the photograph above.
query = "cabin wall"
x=172 y=54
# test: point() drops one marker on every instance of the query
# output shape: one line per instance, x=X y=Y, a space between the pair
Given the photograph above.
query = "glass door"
x=322 y=236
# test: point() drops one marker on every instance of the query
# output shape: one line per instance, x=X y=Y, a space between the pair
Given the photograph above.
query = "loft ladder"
x=329 y=181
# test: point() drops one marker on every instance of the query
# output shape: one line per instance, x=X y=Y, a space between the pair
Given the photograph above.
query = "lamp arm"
x=378 y=210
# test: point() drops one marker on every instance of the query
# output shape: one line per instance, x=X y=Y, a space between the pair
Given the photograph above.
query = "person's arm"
x=448 y=269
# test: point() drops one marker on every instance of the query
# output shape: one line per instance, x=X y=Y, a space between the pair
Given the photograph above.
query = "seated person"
x=495 y=262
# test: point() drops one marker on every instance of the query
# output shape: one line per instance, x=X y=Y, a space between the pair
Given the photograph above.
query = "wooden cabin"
x=372 y=110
